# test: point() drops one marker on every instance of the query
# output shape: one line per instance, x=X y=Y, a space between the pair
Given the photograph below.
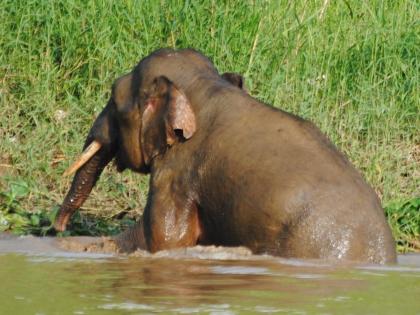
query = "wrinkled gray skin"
x=229 y=170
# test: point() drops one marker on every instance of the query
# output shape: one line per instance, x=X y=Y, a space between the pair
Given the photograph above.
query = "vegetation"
x=352 y=67
x=15 y=218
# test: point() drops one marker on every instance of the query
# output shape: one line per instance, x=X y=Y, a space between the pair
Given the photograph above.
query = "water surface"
x=198 y=281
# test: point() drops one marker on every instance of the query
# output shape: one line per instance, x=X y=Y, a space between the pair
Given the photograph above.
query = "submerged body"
x=238 y=173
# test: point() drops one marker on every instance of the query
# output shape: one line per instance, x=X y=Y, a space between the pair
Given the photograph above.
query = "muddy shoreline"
x=92 y=246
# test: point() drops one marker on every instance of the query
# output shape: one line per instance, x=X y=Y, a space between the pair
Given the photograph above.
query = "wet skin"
x=229 y=170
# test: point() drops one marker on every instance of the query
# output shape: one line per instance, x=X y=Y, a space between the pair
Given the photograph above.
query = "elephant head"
x=147 y=114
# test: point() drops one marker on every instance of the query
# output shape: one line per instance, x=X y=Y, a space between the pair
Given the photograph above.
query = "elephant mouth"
x=122 y=164
x=91 y=150
x=122 y=161
x=85 y=156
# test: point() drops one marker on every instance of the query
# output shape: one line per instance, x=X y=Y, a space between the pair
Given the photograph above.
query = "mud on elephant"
x=227 y=169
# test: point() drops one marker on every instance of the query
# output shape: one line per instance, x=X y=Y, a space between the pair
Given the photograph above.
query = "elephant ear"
x=167 y=117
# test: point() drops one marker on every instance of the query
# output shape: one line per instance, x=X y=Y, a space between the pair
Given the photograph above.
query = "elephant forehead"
x=122 y=91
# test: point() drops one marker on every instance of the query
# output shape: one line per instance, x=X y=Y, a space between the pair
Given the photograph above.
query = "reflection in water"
x=57 y=283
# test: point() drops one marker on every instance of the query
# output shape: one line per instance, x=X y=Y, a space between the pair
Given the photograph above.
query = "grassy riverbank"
x=352 y=67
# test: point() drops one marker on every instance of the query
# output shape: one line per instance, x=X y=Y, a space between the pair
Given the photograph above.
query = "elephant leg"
x=170 y=218
x=169 y=226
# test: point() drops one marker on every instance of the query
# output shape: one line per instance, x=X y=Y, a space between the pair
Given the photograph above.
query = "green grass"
x=352 y=67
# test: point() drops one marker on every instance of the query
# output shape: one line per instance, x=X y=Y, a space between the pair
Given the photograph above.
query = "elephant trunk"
x=99 y=149
x=82 y=185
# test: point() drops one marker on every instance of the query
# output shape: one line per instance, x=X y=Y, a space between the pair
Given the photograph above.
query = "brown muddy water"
x=37 y=276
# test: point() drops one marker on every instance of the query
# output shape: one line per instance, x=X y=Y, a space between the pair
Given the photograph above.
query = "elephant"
x=226 y=169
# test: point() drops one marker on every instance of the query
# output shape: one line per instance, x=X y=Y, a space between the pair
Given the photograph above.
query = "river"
x=37 y=277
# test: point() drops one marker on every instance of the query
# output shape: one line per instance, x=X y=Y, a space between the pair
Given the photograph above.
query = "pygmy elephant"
x=226 y=169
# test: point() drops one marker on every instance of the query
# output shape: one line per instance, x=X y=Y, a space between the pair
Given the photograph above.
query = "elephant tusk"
x=83 y=158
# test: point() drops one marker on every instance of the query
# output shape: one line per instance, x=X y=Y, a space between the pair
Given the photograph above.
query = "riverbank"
x=351 y=67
